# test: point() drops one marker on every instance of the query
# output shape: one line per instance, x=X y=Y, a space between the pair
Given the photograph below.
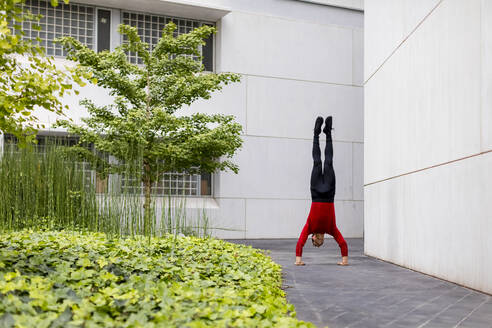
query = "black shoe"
x=328 y=124
x=317 y=125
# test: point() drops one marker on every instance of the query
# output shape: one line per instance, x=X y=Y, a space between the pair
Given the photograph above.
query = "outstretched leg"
x=329 y=143
x=328 y=172
x=316 y=173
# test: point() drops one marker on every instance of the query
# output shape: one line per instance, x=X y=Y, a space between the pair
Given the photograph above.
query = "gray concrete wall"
x=298 y=60
x=428 y=110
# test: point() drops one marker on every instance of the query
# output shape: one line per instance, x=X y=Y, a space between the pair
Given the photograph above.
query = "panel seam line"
x=295 y=79
x=403 y=41
x=429 y=167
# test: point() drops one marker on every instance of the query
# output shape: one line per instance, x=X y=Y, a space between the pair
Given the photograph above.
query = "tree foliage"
x=28 y=79
x=143 y=126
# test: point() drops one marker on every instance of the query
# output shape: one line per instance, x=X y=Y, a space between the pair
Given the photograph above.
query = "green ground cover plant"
x=74 y=279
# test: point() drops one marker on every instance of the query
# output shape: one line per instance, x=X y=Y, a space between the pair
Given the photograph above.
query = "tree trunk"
x=147 y=194
x=147 y=175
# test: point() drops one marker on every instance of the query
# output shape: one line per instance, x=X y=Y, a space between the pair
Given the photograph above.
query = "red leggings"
x=321 y=219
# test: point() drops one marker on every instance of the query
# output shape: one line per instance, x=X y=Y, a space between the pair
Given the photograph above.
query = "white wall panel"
x=437 y=221
x=229 y=221
x=389 y=23
x=76 y=112
x=269 y=168
x=343 y=164
x=358 y=57
x=276 y=47
x=280 y=168
x=231 y=100
x=423 y=107
x=296 y=10
x=358 y=170
x=350 y=218
x=288 y=108
x=267 y=218
x=486 y=75
x=351 y=4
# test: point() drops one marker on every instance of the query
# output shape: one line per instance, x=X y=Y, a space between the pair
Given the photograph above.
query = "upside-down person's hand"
x=344 y=261
x=299 y=261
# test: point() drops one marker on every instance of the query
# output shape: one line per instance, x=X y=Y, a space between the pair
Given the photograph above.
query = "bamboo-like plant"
x=42 y=190
x=49 y=189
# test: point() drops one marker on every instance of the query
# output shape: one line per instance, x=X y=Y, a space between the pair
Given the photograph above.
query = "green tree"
x=143 y=126
x=28 y=79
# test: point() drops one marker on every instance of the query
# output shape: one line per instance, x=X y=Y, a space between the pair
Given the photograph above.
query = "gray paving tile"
x=345 y=320
x=459 y=311
x=411 y=320
x=476 y=323
x=371 y=293
x=368 y=323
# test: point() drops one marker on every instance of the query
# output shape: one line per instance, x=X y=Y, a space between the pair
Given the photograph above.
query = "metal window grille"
x=173 y=184
x=73 y=20
x=150 y=28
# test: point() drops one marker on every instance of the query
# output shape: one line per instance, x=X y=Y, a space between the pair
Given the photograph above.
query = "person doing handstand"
x=321 y=217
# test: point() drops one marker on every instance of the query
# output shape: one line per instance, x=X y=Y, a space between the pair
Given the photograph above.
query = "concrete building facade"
x=428 y=137
x=298 y=60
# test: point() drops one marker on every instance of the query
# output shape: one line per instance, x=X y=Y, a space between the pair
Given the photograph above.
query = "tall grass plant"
x=47 y=188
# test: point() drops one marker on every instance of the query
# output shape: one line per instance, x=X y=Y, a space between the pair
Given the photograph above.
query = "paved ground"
x=371 y=293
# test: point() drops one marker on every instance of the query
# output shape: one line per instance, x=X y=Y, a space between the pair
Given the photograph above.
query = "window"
x=73 y=20
x=174 y=184
x=79 y=21
x=150 y=31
